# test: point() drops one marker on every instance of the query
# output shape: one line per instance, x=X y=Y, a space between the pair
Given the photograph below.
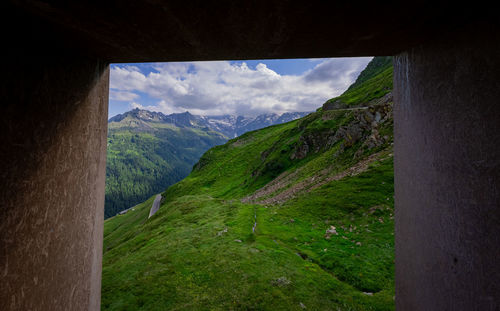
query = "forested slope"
x=144 y=158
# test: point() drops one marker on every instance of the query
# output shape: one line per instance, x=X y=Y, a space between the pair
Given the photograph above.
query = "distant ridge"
x=229 y=125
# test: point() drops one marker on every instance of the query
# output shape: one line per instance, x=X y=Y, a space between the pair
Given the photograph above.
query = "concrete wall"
x=447 y=174
x=53 y=127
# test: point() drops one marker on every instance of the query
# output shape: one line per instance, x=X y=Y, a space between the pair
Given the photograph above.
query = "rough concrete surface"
x=52 y=167
x=447 y=175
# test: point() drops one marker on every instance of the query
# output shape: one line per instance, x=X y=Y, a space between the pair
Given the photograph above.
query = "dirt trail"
x=323 y=177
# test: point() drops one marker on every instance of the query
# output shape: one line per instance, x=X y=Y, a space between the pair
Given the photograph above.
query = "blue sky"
x=286 y=66
x=248 y=87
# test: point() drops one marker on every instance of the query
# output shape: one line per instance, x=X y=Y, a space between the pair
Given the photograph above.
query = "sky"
x=246 y=88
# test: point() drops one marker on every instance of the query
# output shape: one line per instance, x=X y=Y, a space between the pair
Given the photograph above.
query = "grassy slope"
x=374 y=68
x=199 y=251
x=374 y=82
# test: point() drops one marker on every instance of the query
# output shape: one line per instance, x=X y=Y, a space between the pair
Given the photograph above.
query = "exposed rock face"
x=303 y=148
x=365 y=127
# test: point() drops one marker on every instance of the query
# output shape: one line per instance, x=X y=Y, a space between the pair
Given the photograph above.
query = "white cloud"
x=225 y=88
x=134 y=105
x=122 y=95
x=160 y=106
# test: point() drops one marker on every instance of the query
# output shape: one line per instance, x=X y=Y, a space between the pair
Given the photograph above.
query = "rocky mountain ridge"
x=229 y=125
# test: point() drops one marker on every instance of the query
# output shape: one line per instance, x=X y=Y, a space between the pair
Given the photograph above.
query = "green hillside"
x=291 y=217
x=144 y=158
x=373 y=83
x=373 y=69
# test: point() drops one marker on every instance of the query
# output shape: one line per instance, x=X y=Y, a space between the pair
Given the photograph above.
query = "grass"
x=179 y=261
x=184 y=258
x=371 y=88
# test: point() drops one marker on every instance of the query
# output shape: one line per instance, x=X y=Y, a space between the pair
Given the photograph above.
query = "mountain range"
x=229 y=125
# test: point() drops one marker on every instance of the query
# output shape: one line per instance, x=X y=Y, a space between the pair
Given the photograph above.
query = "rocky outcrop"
x=330 y=231
x=365 y=127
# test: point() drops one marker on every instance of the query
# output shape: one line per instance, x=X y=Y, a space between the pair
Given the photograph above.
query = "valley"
x=149 y=151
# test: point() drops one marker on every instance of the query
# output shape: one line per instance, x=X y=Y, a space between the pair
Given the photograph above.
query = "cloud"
x=160 y=106
x=337 y=71
x=233 y=88
x=122 y=95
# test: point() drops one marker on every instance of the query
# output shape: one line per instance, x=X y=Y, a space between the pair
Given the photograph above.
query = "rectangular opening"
x=261 y=184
